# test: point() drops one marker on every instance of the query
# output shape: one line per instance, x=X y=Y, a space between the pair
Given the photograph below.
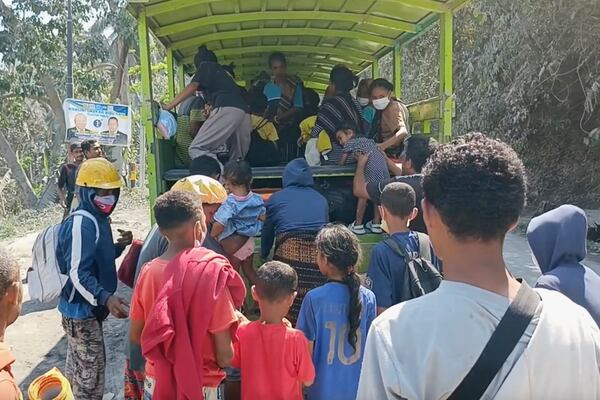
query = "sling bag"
x=503 y=341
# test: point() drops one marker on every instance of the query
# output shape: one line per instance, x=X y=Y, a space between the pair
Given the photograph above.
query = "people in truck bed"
x=284 y=94
x=341 y=107
x=263 y=151
x=390 y=125
x=229 y=121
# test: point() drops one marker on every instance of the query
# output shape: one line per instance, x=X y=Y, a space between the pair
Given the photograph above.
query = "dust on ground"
x=37 y=339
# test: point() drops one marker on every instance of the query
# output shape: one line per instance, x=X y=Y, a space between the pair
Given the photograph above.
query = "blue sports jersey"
x=324 y=320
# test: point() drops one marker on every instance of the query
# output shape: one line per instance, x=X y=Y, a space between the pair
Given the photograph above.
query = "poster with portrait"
x=109 y=124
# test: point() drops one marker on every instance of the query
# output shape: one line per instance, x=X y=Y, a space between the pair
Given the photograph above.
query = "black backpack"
x=262 y=153
x=420 y=276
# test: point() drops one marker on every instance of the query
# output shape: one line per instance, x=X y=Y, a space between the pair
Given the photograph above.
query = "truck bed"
x=325 y=171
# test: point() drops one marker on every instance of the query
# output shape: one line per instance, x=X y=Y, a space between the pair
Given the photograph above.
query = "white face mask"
x=363 y=101
x=381 y=104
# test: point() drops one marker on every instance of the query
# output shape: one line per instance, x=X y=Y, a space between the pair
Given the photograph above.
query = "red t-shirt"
x=275 y=360
x=146 y=290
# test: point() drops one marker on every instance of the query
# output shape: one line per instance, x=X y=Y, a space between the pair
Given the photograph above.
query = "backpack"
x=262 y=153
x=45 y=279
x=420 y=275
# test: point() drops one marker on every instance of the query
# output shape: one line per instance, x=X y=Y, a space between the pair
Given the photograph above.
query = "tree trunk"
x=7 y=152
x=60 y=124
x=123 y=51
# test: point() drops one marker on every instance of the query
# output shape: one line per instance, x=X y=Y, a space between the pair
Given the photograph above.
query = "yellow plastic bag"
x=51 y=386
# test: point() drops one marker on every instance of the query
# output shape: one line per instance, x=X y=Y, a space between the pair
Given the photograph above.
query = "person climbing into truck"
x=229 y=121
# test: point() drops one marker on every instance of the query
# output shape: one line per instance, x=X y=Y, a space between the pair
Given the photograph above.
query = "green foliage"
x=528 y=72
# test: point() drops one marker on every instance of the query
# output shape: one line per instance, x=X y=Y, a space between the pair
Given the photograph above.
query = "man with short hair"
x=417 y=149
x=66 y=178
x=113 y=131
x=91 y=149
x=474 y=191
x=11 y=297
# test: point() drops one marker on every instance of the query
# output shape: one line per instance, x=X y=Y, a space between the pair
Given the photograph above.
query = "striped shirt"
x=332 y=113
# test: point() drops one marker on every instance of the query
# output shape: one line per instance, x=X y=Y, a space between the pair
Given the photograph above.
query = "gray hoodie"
x=558 y=242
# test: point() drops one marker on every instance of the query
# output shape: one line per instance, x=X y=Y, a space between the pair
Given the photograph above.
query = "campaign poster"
x=109 y=124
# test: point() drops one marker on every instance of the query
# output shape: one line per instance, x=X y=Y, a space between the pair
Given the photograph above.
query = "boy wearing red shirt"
x=274 y=358
x=180 y=219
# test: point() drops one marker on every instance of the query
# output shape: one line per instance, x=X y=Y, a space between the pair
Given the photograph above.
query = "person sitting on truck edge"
x=242 y=214
x=86 y=253
x=423 y=348
x=376 y=171
x=228 y=122
x=417 y=150
x=386 y=273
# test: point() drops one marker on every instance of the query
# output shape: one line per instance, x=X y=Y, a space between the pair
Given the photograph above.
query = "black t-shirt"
x=416 y=182
x=67 y=176
x=219 y=87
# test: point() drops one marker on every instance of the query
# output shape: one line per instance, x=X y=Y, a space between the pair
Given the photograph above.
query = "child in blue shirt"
x=336 y=316
x=386 y=273
x=242 y=214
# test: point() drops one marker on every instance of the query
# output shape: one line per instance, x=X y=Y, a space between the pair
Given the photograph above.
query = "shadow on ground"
x=54 y=358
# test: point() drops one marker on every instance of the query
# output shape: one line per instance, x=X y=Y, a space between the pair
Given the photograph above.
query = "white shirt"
x=422 y=349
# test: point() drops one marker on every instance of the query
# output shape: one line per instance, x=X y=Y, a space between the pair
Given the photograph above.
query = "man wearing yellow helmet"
x=86 y=253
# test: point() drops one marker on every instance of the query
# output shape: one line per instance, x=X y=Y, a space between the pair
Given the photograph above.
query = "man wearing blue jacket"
x=86 y=253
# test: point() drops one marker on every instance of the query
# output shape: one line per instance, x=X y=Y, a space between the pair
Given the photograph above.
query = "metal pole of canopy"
x=398 y=70
x=375 y=69
x=180 y=77
x=148 y=150
x=170 y=74
x=446 y=76
x=69 y=50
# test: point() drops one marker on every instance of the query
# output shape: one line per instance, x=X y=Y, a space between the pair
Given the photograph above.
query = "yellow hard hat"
x=98 y=173
x=208 y=189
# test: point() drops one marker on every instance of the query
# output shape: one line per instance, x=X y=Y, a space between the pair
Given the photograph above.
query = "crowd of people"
x=205 y=324
x=277 y=120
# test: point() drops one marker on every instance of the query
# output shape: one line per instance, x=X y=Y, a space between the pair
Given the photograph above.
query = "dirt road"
x=37 y=338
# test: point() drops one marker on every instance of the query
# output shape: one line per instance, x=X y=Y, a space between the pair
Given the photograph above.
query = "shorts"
x=210 y=393
x=246 y=250
x=233 y=374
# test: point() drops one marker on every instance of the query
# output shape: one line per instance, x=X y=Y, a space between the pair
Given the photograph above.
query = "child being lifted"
x=376 y=171
x=243 y=213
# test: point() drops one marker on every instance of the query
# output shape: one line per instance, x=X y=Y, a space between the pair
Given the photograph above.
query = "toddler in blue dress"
x=242 y=214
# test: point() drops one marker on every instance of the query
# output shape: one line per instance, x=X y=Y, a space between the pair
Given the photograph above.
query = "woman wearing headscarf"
x=390 y=125
x=228 y=121
x=294 y=217
x=339 y=107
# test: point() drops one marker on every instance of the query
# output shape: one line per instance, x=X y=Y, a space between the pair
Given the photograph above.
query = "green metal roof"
x=314 y=34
